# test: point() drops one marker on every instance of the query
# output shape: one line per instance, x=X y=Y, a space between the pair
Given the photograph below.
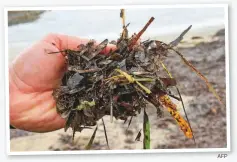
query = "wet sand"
x=206 y=115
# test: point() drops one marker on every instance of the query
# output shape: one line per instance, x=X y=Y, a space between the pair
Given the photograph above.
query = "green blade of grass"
x=146 y=131
x=88 y=147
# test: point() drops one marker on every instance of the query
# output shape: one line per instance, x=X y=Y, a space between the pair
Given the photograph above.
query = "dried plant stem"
x=185 y=113
x=163 y=65
x=111 y=108
x=88 y=147
x=106 y=137
x=134 y=41
x=129 y=122
x=211 y=89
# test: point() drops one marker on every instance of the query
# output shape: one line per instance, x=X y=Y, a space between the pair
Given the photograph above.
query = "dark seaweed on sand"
x=119 y=84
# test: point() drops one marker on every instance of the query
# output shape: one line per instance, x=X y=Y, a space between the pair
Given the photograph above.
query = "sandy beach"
x=205 y=49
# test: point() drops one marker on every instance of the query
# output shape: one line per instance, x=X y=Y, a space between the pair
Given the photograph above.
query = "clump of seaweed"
x=120 y=84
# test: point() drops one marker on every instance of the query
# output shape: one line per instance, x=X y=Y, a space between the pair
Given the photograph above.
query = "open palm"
x=32 y=77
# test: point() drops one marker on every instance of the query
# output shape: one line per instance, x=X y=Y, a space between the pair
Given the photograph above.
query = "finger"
x=36 y=70
x=63 y=42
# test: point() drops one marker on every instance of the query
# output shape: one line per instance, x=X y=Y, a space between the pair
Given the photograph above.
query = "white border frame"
x=228 y=149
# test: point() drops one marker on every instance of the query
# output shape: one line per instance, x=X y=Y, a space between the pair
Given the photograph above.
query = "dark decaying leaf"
x=168 y=81
x=76 y=123
x=69 y=121
x=106 y=137
x=74 y=81
x=138 y=136
x=99 y=48
x=146 y=131
x=125 y=120
x=129 y=123
x=152 y=99
x=88 y=147
x=180 y=37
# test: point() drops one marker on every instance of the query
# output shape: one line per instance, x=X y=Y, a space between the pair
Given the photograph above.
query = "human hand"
x=32 y=77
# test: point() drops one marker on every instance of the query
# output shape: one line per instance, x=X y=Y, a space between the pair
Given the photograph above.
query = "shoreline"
x=203 y=35
x=22 y=17
x=205 y=32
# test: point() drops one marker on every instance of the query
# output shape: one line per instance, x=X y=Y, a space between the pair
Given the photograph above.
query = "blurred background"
x=98 y=24
x=203 y=46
